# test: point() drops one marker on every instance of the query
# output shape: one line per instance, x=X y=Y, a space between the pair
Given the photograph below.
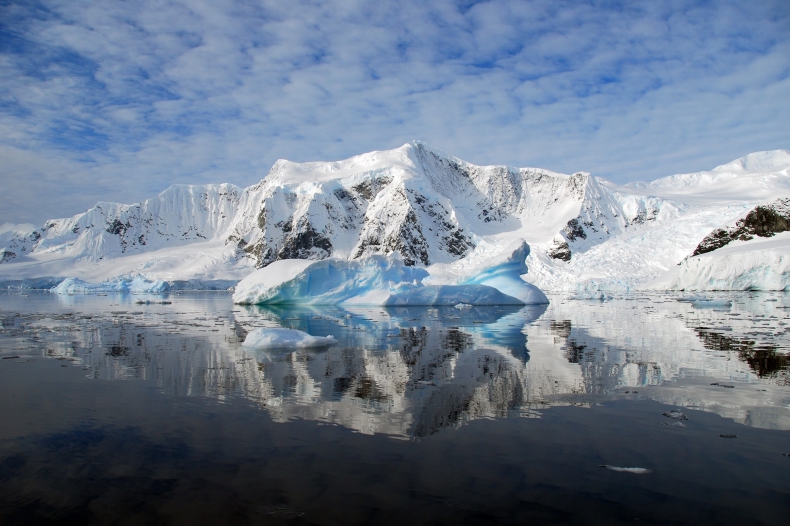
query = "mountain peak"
x=770 y=160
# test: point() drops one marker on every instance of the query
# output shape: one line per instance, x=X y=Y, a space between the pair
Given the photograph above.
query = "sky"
x=117 y=100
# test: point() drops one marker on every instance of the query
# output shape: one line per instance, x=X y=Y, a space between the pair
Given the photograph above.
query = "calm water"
x=116 y=412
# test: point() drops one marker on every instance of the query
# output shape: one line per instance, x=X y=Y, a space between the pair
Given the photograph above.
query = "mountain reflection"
x=413 y=371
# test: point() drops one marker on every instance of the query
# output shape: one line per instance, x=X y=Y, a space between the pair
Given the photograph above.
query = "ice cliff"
x=388 y=281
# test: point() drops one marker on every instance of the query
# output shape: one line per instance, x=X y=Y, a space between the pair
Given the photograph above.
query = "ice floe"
x=279 y=338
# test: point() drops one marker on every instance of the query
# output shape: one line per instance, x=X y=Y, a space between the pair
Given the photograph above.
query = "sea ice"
x=278 y=338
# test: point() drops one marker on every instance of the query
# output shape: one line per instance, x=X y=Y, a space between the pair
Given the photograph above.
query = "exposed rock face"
x=427 y=206
x=560 y=250
x=573 y=230
x=181 y=214
x=424 y=205
x=414 y=200
x=763 y=221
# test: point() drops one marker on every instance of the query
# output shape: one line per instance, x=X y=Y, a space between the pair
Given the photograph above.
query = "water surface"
x=119 y=411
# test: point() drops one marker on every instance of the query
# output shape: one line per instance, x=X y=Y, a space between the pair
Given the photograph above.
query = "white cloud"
x=117 y=100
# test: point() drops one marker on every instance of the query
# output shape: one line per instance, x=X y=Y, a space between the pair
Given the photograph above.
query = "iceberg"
x=136 y=285
x=279 y=338
x=372 y=280
x=498 y=265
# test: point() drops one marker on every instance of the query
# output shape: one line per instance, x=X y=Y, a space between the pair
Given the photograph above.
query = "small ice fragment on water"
x=677 y=415
x=463 y=306
x=728 y=436
x=711 y=303
x=689 y=299
x=281 y=511
x=279 y=338
x=638 y=471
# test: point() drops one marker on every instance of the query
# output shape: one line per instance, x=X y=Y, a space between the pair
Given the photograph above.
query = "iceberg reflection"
x=413 y=371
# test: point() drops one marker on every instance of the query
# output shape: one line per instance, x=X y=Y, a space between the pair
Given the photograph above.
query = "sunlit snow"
x=577 y=233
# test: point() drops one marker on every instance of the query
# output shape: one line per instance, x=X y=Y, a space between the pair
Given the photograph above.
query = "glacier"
x=583 y=234
x=759 y=264
x=130 y=285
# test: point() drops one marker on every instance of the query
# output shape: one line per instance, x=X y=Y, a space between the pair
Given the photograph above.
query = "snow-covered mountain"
x=433 y=209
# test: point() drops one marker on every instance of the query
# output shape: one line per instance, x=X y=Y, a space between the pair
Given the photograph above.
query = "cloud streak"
x=117 y=100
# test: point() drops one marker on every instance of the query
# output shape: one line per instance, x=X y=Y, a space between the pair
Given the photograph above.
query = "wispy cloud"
x=117 y=100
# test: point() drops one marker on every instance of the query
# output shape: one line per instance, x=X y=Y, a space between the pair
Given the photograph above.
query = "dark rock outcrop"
x=763 y=221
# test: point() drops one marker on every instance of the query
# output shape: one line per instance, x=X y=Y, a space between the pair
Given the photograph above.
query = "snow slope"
x=667 y=219
x=759 y=264
x=434 y=210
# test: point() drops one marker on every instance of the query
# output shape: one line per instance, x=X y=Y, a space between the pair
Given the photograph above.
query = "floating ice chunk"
x=597 y=295
x=373 y=280
x=136 y=285
x=638 y=471
x=462 y=306
x=693 y=298
x=278 y=338
x=701 y=304
x=677 y=415
x=499 y=265
x=504 y=274
x=327 y=282
x=700 y=301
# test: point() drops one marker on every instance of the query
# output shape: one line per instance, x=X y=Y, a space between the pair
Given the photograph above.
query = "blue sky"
x=115 y=101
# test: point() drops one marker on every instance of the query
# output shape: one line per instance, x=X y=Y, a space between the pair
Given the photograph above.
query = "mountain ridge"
x=430 y=207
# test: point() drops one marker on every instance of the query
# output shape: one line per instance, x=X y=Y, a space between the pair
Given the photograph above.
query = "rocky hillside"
x=764 y=220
